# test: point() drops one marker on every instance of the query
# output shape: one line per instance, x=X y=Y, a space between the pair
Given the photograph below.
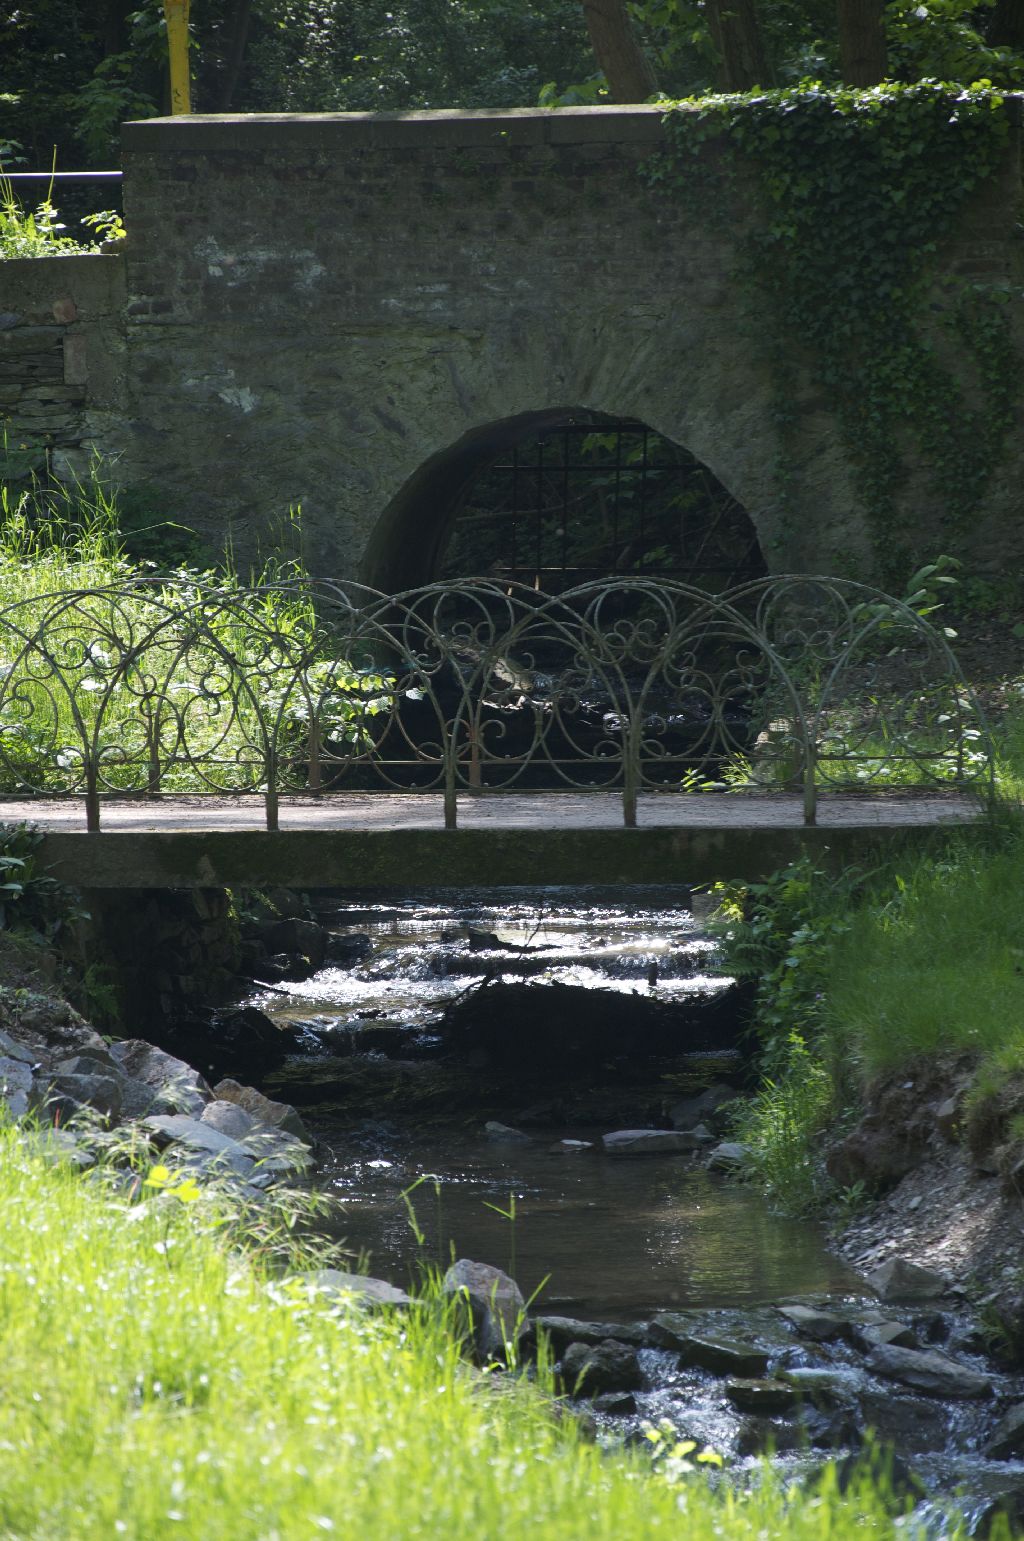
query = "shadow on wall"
x=556 y=498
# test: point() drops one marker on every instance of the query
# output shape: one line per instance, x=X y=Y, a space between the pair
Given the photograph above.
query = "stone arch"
x=406 y=548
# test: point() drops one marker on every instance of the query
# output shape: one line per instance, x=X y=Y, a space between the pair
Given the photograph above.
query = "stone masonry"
x=351 y=312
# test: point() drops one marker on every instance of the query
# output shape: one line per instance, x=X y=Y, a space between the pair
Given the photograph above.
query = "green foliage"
x=934 y=963
x=160 y=1382
x=31 y=900
x=781 y=1127
x=855 y=192
x=89 y=690
x=31 y=233
x=778 y=932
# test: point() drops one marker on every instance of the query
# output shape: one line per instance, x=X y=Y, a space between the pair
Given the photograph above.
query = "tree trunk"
x=626 y=67
x=1006 y=29
x=863 y=59
x=237 y=36
x=736 y=33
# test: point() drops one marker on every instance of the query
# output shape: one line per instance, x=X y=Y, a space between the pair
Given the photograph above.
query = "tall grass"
x=157 y=1385
x=184 y=680
x=934 y=963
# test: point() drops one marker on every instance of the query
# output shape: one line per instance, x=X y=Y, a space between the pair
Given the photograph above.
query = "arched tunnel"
x=559 y=497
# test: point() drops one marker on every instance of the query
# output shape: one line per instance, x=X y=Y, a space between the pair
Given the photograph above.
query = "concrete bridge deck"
x=372 y=839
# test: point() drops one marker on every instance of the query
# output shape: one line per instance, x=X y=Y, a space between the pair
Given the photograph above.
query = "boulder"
x=570 y=1147
x=298 y=938
x=898 y=1279
x=177 y=1085
x=722 y=1356
x=358 y=1287
x=50 y=1029
x=10 y=1048
x=880 y=1334
x=729 y=1156
x=346 y=948
x=60 y=1147
x=228 y=1118
x=69 y=1093
x=762 y=1397
x=179 y=1133
x=649 y=1142
x=591 y=1368
x=504 y=1134
x=88 y=1064
x=617 y=1403
x=820 y=1326
x=16 y=1086
x=875 y=1155
x=279 y=1115
x=563 y=1330
x=929 y=1371
x=495 y=1303
x=1007 y=1441
x=690 y=1111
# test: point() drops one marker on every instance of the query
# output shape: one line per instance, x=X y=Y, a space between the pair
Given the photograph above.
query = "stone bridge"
x=354 y=313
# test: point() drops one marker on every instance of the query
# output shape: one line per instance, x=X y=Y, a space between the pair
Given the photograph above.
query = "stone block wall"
x=62 y=361
x=347 y=312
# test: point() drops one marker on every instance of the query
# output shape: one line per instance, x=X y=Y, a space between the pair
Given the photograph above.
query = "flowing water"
x=586 y=1235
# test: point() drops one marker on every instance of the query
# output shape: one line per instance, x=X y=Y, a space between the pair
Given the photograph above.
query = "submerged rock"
x=879 y=1334
x=723 y=1356
x=505 y=1134
x=650 y=1142
x=590 y=1368
x=563 y=1330
x=762 y=1396
x=1007 y=1441
x=929 y=1371
x=820 y=1326
x=729 y=1156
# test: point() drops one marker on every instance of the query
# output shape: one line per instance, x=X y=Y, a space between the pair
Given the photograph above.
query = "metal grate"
x=583 y=502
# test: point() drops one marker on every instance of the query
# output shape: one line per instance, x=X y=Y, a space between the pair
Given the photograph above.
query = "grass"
x=157 y=1384
x=934 y=964
x=109 y=668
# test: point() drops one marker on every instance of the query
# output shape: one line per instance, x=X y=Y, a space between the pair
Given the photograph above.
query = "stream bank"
x=674 y=1293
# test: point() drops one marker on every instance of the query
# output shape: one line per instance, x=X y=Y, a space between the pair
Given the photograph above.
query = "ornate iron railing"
x=799 y=684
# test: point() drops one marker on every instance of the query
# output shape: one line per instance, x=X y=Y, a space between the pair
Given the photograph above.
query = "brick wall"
x=62 y=355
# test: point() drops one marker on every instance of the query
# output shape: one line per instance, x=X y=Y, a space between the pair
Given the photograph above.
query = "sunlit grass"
x=155 y=1385
x=934 y=963
x=182 y=681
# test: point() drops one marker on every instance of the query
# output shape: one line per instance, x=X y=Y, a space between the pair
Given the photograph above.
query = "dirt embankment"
x=944 y=1154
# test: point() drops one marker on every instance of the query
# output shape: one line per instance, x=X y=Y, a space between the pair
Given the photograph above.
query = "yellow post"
x=176 y=12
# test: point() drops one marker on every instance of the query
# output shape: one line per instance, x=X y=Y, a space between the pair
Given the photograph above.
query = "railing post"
x=270 y=799
x=475 y=781
x=810 y=786
x=153 y=754
x=451 y=805
x=630 y=779
x=92 y=801
x=313 y=782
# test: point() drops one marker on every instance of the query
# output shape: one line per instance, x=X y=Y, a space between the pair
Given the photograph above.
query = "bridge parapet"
x=793 y=685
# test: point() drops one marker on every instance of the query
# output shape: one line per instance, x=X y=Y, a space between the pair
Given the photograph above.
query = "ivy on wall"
x=855 y=193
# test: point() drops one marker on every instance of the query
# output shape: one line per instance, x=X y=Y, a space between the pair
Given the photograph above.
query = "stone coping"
x=209 y=133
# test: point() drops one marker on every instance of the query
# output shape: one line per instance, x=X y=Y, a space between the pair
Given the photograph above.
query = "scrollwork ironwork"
x=797 y=684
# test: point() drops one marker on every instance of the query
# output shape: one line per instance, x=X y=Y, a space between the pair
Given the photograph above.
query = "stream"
x=404 y=1145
